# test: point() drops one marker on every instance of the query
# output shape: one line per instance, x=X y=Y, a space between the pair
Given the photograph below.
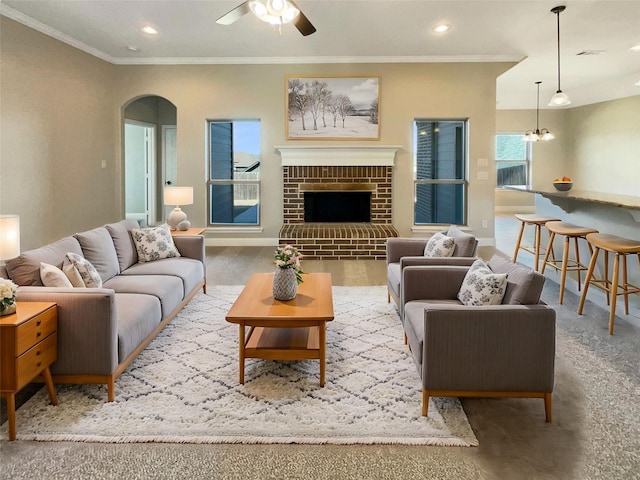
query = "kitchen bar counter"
x=613 y=199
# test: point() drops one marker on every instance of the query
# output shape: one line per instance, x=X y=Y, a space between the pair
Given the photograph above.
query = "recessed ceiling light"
x=149 y=29
x=637 y=83
x=133 y=48
x=635 y=48
x=441 y=28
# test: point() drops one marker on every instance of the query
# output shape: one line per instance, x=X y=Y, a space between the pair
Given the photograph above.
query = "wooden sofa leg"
x=547 y=407
x=111 y=390
x=406 y=340
x=425 y=402
x=388 y=296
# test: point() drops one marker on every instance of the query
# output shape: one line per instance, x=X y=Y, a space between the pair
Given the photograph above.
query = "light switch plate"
x=483 y=175
x=483 y=162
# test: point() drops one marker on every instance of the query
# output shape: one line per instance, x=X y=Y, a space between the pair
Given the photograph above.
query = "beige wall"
x=604 y=147
x=58 y=125
x=62 y=117
x=408 y=91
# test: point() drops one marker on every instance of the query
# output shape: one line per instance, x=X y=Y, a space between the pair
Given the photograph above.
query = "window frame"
x=463 y=181
x=211 y=182
x=528 y=161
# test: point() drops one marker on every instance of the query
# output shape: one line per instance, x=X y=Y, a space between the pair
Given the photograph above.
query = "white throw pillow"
x=80 y=272
x=154 y=243
x=481 y=286
x=439 y=245
x=52 y=276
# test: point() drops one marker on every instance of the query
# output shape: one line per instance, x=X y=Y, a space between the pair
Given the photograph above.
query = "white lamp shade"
x=178 y=195
x=9 y=236
x=559 y=100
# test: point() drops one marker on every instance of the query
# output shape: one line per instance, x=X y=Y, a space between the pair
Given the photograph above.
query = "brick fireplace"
x=338 y=170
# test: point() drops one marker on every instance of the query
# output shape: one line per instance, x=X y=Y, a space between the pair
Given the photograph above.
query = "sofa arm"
x=435 y=282
x=87 y=328
x=502 y=348
x=404 y=247
x=437 y=261
x=190 y=246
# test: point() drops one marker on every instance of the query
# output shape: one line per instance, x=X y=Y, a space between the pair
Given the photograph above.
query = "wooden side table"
x=28 y=346
x=189 y=231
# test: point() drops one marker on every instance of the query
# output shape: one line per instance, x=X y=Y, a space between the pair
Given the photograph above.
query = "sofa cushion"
x=25 y=269
x=81 y=272
x=393 y=277
x=190 y=271
x=154 y=243
x=465 y=244
x=168 y=289
x=97 y=248
x=524 y=285
x=481 y=286
x=439 y=245
x=52 y=276
x=138 y=316
x=123 y=242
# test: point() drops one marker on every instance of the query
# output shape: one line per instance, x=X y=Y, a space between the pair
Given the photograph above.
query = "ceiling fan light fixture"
x=274 y=12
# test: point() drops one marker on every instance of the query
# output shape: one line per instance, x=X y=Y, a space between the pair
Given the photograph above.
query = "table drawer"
x=34 y=360
x=35 y=330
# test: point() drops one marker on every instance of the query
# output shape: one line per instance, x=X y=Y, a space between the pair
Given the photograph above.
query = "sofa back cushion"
x=97 y=247
x=465 y=244
x=25 y=269
x=125 y=248
x=524 y=285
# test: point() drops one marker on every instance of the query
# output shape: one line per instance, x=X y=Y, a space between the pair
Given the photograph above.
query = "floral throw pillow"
x=481 y=286
x=439 y=245
x=154 y=243
x=80 y=272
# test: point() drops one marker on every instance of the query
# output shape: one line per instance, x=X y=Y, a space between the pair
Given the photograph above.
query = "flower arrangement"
x=289 y=257
x=7 y=294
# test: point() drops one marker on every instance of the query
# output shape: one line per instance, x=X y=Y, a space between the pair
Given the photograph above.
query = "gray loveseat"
x=102 y=330
x=505 y=350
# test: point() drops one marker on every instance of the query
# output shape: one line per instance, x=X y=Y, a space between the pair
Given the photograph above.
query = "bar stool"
x=566 y=264
x=538 y=221
x=621 y=247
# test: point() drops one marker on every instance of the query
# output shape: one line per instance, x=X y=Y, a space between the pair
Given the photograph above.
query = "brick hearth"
x=338 y=240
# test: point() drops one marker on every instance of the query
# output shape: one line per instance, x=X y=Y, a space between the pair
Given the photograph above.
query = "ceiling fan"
x=275 y=12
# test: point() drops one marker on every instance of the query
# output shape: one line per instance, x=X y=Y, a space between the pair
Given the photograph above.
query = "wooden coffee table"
x=279 y=330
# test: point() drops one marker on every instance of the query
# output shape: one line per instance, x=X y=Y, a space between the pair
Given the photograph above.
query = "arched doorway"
x=150 y=156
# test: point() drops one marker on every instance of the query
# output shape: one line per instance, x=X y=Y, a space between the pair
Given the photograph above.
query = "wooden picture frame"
x=332 y=108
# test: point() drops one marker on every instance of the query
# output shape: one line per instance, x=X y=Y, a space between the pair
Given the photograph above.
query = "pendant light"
x=537 y=134
x=559 y=99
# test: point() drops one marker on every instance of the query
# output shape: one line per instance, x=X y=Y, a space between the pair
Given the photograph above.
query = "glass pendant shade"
x=560 y=99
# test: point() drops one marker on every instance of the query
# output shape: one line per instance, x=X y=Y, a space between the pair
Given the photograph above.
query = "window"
x=513 y=159
x=439 y=171
x=234 y=172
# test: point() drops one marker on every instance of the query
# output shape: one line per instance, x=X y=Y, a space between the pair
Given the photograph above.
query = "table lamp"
x=178 y=196
x=9 y=236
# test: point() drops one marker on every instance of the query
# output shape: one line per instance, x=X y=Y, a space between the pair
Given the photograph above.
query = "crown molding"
x=52 y=32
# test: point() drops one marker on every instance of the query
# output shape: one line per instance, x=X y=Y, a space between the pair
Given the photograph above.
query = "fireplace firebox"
x=344 y=207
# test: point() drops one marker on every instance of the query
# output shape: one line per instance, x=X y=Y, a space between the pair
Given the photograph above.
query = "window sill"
x=248 y=229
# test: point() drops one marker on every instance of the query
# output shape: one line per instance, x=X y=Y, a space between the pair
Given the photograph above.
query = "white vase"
x=285 y=284
x=8 y=309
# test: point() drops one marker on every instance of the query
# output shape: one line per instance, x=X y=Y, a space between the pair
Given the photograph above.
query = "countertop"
x=613 y=199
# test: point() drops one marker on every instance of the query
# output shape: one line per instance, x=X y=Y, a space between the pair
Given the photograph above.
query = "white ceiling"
x=370 y=31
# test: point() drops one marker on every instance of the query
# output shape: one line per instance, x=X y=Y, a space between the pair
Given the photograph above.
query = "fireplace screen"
x=337 y=207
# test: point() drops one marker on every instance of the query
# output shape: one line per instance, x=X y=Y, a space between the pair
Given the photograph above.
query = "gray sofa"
x=102 y=330
x=505 y=350
x=402 y=252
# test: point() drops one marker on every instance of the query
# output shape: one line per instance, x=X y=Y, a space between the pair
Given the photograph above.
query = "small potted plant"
x=288 y=272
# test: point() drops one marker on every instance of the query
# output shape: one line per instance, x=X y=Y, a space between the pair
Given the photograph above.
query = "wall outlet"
x=104 y=164
x=483 y=175
x=485 y=224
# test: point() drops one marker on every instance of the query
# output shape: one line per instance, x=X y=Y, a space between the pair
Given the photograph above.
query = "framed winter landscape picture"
x=333 y=108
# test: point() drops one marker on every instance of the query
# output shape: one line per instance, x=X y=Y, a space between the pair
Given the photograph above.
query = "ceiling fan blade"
x=302 y=23
x=235 y=14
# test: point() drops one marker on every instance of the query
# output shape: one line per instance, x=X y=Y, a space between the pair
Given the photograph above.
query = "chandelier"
x=559 y=99
x=537 y=134
x=275 y=12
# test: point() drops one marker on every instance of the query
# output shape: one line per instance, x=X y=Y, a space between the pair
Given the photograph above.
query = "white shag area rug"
x=183 y=388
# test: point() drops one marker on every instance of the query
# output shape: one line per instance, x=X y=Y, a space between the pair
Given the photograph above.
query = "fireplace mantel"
x=320 y=155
